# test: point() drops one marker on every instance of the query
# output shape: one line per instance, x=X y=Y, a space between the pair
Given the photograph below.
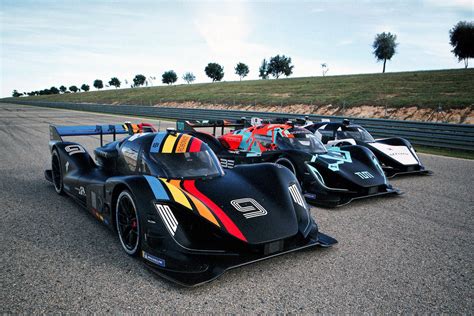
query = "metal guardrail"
x=445 y=135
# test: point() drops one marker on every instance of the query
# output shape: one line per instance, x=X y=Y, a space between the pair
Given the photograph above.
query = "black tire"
x=287 y=163
x=57 y=173
x=128 y=223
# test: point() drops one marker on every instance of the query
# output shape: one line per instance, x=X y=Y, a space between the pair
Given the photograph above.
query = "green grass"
x=450 y=88
x=445 y=152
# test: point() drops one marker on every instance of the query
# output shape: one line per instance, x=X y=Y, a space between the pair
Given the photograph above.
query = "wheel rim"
x=127 y=223
x=56 y=173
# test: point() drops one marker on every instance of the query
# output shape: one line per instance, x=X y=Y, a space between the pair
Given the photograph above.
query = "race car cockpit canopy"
x=354 y=132
x=299 y=139
x=181 y=156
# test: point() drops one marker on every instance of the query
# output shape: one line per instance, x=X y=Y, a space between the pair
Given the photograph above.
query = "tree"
x=384 y=47
x=73 y=89
x=98 y=84
x=189 y=77
x=44 y=92
x=325 y=68
x=214 y=71
x=242 y=70
x=115 y=82
x=139 y=80
x=280 y=65
x=263 y=70
x=85 y=87
x=62 y=89
x=169 y=77
x=54 y=90
x=16 y=94
x=461 y=37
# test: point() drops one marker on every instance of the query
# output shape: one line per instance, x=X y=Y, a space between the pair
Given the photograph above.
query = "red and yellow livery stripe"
x=185 y=193
x=179 y=143
x=229 y=225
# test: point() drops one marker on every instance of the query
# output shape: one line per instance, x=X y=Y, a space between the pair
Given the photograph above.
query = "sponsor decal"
x=74 y=149
x=227 y=163
x=296 y=195
x=158 y=261
x=249 y=207
x=81 y=191
x=401 y=154
x=364 y=175
x=310 y=195
x=168 y=218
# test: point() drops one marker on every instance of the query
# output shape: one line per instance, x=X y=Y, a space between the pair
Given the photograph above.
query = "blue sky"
x=50 y=43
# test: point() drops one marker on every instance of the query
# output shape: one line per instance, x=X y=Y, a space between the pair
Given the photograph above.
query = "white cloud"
x=227 y=37
x=345 y=42
x=459 y=4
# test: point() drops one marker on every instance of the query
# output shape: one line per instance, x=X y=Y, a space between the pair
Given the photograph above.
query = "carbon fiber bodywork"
x=330 y=179
x=396 y=155
x=191 y=229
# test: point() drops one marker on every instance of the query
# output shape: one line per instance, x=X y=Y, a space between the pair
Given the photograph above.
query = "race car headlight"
x=304 y=217
x=168 y=218
x=296 y=195
x=379 y=167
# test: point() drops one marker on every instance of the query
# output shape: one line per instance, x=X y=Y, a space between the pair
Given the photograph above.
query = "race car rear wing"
x=57 y=132
x=191 y=125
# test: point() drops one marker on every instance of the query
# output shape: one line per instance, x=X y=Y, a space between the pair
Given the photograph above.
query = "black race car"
x=396 y=154
x=170 y=202
x=328 y=177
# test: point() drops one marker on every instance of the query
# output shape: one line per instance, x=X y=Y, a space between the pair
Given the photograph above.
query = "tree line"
x=276 y=66
x=461 y=38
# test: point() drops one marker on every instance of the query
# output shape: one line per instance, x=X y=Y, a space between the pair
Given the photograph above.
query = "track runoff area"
x=410 y=253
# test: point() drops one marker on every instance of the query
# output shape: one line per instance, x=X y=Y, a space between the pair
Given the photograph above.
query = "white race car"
x=396 y=155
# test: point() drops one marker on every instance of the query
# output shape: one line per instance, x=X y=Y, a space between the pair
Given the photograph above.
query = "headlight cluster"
x=167 y=217
x=191 y=231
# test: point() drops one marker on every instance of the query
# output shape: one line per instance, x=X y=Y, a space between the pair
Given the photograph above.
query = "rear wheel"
x=56 y=172
x=128 y=224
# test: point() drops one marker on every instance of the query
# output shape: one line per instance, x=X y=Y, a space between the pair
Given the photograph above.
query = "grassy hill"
x=450 y=88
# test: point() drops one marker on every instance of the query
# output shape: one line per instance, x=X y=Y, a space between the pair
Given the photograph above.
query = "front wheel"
x=285 y=162
x=128 y=223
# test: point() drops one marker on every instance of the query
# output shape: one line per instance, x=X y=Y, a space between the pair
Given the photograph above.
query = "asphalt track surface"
x=412 y=253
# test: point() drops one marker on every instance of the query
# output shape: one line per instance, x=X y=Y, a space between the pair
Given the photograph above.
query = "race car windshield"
x=188 y=165
x=301 y=140
x=356 y=133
